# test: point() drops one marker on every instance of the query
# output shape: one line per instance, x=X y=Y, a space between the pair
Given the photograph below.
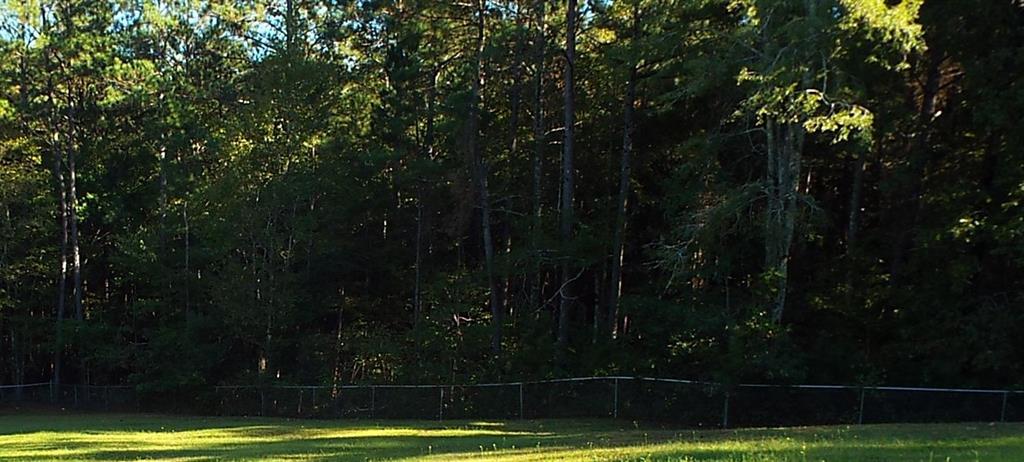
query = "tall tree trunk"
x=480 y=174
x=567 y=218
x=72 y=151
x=23 y=98
x=785 y=143
x=615 y=282
x=188 y=269
x=162 y=254
x=538 y=149
x=515 y=100
x=61 y=192
x=428 y=154
x=515 y=96
x=62 y=276
x=76 y=259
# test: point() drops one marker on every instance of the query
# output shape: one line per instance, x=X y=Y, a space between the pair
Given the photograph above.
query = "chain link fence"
x=678 y=402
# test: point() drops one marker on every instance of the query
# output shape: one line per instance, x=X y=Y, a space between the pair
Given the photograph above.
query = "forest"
x=322 y=192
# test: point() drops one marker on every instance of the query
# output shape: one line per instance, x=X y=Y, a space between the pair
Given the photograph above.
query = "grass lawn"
x=145 y=437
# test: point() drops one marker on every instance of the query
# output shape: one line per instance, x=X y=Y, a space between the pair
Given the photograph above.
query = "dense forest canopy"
x=203 y=192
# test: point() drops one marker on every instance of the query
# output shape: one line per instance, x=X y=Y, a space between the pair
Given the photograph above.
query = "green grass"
x=95 y=437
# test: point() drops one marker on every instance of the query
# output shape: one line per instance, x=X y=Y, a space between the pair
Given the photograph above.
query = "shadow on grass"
x=152 y=437
x=133 y=437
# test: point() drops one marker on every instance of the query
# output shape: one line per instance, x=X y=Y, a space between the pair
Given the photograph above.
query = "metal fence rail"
x=681 y=402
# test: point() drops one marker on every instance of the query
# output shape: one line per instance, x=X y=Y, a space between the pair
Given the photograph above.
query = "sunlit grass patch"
x=108 y=437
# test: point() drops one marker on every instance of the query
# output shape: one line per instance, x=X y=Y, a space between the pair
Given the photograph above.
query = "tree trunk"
x=567 y=218
x=428 y=153
x=480 y=174
x=162 y=252
x=615 y=283
x=784 y=142
x=76 y=259
x=61 y=190
x=517 y=89
x=515 y=100
x=188 y=270
x=538 y=150
x=62 y=277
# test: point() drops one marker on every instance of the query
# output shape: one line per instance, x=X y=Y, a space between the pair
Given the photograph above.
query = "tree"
x=565 y=298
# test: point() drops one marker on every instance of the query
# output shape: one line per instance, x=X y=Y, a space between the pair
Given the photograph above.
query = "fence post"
x=299 y=410
x=860 y=411
x=522 y=415
x=75 y=387
x=615 y=409
x=725 y=411
x=373 y=399
x=1002 y=414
